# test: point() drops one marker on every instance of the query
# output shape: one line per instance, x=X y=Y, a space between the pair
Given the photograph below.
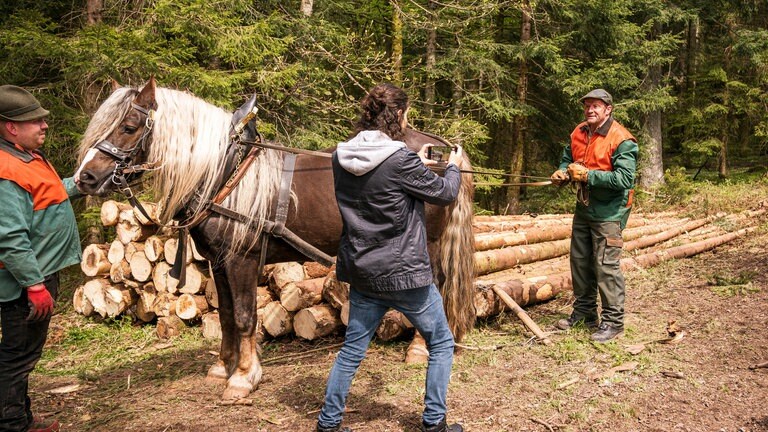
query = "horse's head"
x=116 y=141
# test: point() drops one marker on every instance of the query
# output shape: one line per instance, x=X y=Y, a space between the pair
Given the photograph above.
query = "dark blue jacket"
x=384 y=240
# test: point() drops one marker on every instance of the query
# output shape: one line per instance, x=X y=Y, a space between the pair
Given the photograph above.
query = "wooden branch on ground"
x=523 y=316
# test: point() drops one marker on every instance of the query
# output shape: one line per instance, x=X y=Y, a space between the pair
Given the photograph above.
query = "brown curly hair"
x=379 y=111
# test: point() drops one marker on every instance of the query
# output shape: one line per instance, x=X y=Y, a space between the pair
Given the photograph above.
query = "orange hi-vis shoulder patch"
x=35 y=175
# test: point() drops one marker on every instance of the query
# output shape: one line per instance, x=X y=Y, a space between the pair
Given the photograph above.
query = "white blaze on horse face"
x=88 y=157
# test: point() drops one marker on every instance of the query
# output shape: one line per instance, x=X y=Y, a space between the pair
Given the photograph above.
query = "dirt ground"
x=503 y=383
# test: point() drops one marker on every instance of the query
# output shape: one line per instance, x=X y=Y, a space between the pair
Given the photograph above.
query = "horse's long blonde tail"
x=457 y=261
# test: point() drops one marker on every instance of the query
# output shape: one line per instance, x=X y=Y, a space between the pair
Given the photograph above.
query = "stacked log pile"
x=524 y=257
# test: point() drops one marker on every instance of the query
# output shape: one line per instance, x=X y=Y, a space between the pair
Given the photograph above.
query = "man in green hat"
x=601 y=161
x=38 y=237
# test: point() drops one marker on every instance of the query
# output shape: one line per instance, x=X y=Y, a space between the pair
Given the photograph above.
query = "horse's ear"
x=146 y=97
x=115 y=85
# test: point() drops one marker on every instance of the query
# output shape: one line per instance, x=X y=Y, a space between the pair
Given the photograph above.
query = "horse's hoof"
x=235 y=393
x=215 y=380
x=217 y=374
x=417 y=354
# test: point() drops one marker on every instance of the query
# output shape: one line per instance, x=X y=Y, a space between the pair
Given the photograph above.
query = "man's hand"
x=559 y=177
x=578 y=172
x=40 y=303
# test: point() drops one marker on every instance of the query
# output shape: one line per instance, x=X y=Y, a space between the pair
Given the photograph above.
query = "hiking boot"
x=442 y=427
x=41 y=425
x=336 y=428
x=571 y=322
x=606 y=332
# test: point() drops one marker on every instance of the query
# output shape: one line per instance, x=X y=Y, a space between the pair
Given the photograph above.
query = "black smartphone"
x=438 y=154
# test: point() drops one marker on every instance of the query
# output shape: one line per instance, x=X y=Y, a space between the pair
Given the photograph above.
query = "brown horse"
x=184 y=141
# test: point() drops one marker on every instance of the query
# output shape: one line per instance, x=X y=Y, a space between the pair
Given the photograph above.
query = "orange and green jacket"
x=610 y=154
x=38 y=232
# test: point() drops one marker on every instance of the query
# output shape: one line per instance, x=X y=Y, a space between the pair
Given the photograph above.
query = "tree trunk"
x=521 y=121
x=397 y=44
x=430 y=61
x=652 y=164
x=306 y=7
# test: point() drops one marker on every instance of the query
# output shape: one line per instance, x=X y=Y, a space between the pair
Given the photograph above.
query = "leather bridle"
x=124 y=159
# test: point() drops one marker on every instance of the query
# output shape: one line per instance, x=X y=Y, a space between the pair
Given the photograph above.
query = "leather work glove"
x=559 y=177
x=578 y=172
x=40 y=303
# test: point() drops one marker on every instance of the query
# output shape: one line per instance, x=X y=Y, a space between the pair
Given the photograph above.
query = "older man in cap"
x=38 y=237
x=600 y=161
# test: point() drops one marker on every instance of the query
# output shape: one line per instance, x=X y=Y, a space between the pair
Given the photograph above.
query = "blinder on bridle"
x=125 y=168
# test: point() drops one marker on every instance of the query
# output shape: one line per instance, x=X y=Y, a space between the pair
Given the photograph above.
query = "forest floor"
x=118 y=377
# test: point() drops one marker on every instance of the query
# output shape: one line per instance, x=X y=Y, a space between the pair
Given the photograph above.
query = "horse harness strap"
x=289 y=236
x=277 y=227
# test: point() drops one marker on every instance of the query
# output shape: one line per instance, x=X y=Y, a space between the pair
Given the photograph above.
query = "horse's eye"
x=129 y=129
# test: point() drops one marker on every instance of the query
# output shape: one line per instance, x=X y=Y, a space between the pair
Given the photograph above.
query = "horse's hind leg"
x=242 y=278
x=220 y=371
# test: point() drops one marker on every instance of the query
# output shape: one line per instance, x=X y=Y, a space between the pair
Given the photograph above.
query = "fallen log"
x=141 y=268
x=211 y=326
x=284 y=273
x=499 y=259
x=93 y=291
x=394 y=325
x=302 y=294
x=154 y=247
x=514 y=307
x=277 y=321
x=95 y=261
x=116 y=251
x=191 y=307
x=110 y=212
x=80 y=303
x=169 y=326
x=335 y=291
x=150 y=209
x=128 y=229
x=538 y=289
x=515 y=238
x=316 y=321
x=196 y=280
x=120 y=271
x=118 y=300
x=144 y=305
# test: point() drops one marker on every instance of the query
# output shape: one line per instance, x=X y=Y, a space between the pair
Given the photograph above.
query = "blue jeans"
x=20 y=349
x=424 y=309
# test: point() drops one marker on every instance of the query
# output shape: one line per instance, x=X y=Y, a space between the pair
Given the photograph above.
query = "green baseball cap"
x=17 y=104
x=598 y=94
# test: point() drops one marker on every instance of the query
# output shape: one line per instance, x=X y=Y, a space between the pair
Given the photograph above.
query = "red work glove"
x=578 y=172
x=40 y=303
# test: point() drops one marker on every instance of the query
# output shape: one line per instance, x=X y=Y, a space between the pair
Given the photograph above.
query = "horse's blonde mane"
x=188 y=143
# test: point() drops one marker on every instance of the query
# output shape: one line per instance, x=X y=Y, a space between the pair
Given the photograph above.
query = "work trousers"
x=20 y=349
x=595 y=268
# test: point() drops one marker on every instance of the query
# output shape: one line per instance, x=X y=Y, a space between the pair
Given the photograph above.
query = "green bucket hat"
x=17 y=104
x=598 y=94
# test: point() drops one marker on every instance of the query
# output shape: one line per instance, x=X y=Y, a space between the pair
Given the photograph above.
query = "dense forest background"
x=502 y=78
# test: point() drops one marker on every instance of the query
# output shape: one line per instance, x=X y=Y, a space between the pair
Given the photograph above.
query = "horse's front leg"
x=220 y=371
x=247 y=373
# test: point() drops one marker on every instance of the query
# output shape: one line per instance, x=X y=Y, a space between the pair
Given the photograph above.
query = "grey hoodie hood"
x=366 y=151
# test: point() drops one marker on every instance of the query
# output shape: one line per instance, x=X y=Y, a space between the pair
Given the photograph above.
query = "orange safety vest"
x=595 y=152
